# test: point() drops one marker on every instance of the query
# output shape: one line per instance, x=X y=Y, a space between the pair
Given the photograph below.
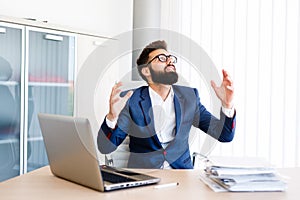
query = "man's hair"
x=144 y=56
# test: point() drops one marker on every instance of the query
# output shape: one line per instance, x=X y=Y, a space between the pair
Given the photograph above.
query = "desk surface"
x=41 y=184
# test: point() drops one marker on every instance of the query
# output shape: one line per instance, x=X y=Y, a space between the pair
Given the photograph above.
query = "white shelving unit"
x=43 y=58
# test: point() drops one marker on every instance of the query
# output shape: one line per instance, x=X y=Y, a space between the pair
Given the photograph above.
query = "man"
x=158 y=117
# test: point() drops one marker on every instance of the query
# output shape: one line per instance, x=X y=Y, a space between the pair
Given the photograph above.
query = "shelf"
x=47 y=84
x=13 y=140
x=7 y=141
x=31 y=139
x=9 y=83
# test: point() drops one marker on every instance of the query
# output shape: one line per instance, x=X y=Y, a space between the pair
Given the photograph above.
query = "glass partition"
x=11 y=47
x=51 y=65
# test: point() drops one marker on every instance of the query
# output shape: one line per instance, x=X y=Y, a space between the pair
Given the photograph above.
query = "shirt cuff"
x=111 y=124
x=229 y=112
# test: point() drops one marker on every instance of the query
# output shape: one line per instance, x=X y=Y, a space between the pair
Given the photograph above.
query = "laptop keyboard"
x=114 y=178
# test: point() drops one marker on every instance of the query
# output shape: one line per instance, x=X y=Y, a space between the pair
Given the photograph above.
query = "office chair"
x=119 y=158
x=9 y=124
x=199 y=152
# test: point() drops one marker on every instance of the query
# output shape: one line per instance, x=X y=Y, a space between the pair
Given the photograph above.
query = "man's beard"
x=166 y=78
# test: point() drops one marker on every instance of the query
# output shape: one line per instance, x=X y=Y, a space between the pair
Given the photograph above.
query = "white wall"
x=105 y=17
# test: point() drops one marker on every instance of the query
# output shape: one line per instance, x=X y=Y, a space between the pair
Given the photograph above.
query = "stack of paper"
x=242 y=175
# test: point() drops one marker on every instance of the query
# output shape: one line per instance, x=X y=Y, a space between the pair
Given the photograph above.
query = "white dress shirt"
x=164 y=118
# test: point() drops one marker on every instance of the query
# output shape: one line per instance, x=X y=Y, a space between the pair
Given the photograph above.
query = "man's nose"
x=170 y=61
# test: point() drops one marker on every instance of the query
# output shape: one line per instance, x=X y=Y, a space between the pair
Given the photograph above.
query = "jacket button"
x=165 y=153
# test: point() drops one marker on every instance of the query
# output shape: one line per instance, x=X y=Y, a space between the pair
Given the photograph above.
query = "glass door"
x=50 y=79
x=11 y=59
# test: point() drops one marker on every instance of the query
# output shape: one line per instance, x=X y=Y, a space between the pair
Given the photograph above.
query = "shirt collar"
x=157 y=100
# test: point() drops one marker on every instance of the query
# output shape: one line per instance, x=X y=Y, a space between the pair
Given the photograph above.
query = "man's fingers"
x=118 y=84
x=116 y=92
x=116 y=98
x=128 y=95
x=227 y=78
x=224 y=73
x=230 y=87
x=115 y=89
x=115 y=95
x=213 y=84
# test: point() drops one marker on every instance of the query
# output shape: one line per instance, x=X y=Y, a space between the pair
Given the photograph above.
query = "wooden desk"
x=41 y=184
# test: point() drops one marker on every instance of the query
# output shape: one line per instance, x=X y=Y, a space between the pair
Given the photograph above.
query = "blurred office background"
x=257 y=41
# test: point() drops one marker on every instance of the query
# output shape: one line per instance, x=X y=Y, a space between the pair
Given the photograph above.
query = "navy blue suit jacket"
x=146 y=151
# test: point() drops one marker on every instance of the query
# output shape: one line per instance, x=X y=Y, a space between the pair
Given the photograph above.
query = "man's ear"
x=146 y=71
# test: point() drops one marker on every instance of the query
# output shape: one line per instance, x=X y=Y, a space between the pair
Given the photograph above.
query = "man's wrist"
x=229 y=112
x=228 y=106
x=111 y=117
x=111 y=122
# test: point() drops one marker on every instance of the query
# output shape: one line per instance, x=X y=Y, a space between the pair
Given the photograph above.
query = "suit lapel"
x=178 y=105
x=146 y=106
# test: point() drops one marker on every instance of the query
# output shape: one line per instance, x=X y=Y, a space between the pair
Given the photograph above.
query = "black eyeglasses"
x=164 y=58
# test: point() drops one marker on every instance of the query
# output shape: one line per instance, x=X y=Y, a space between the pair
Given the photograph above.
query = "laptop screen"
x=72 y=154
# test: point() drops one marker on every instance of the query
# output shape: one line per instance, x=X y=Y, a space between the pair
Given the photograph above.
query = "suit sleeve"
x=109 y=139
x=222 y=129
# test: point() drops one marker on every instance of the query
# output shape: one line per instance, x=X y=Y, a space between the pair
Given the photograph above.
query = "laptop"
x=72 y=155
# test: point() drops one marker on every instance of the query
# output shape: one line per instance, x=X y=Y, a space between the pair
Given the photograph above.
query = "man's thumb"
x=128 y=94
x=213 y=85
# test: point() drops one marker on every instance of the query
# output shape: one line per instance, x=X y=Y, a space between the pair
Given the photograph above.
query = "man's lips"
x=170 y=68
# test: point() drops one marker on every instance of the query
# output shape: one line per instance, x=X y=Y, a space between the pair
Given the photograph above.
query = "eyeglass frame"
x=162 y=54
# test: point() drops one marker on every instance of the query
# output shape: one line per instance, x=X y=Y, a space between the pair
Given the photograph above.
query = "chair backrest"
x=119 y=158
x=8 y=105
x=9 y=122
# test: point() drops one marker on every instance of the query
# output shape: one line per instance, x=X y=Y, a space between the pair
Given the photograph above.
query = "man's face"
x=163 y=72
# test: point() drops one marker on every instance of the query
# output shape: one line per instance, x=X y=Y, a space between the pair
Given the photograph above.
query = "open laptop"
x=72 y=155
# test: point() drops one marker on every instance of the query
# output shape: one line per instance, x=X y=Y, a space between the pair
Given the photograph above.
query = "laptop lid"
x=72 y=154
